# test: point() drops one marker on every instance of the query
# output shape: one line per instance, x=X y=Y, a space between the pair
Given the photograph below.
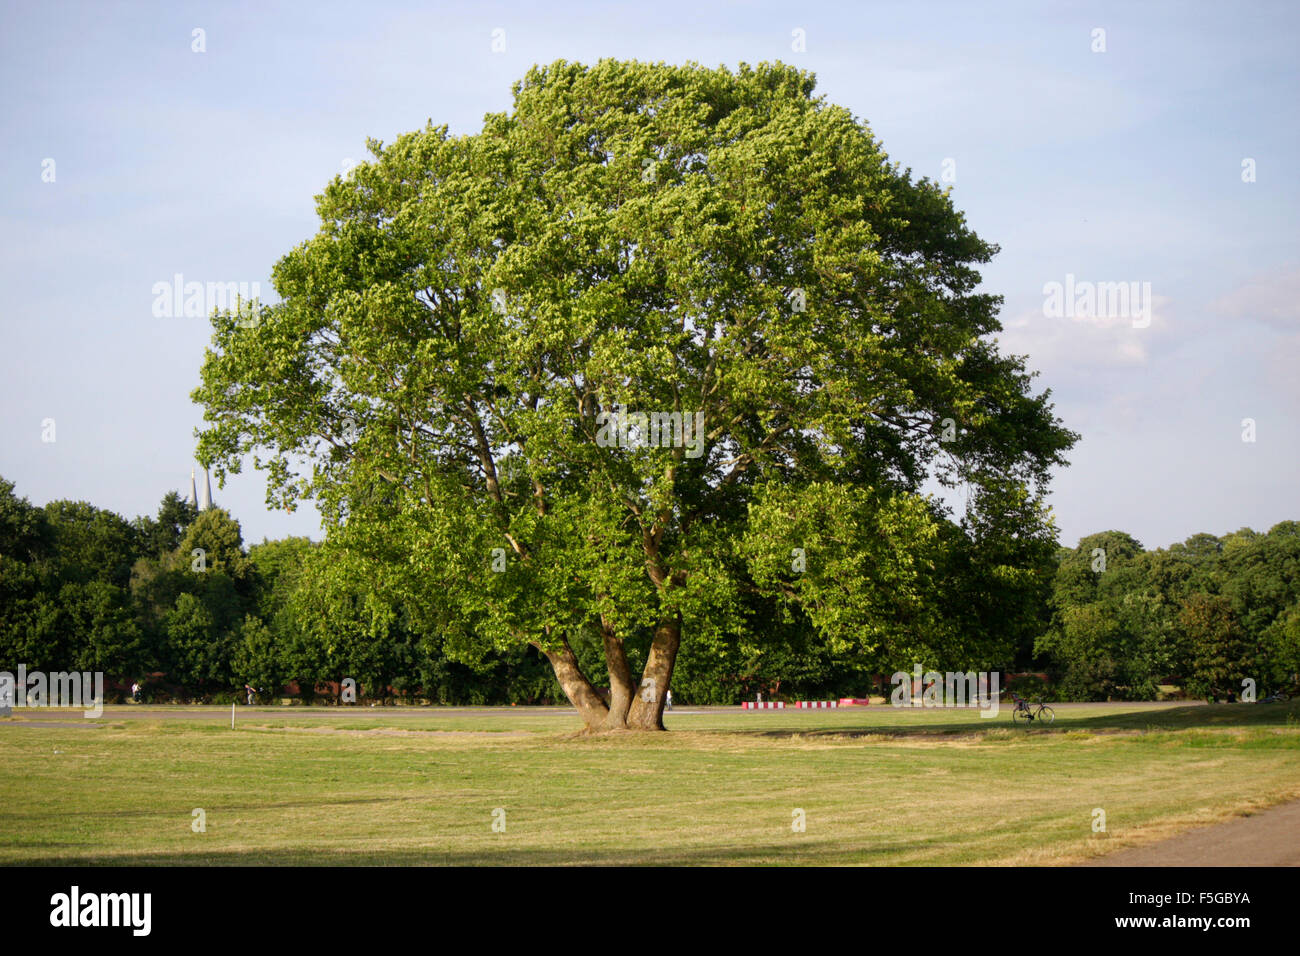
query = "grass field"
x=877 y=785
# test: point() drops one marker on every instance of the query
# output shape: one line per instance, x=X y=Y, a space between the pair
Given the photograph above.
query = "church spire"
x=206 y=503
x=194 y=497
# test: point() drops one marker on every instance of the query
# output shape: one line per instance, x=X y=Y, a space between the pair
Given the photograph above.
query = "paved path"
x=1268 y=838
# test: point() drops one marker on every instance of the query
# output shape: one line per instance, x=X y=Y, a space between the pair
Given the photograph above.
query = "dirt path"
x=1268 y=838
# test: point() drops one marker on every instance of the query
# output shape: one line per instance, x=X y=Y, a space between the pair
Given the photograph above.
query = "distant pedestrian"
x=668 y=699
x=135 y=691
x=250 y=691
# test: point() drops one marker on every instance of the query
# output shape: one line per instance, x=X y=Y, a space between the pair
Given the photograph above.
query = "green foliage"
x=1205 y=612
x=1221 y=655
x=162 y=535
x=869 y=584
x=257 y=659
x=217 y=536
x=1281 y=652
x=27 y=581
x=64 y=597
x=91 y=544
x=1095 y=642
x=192 y=639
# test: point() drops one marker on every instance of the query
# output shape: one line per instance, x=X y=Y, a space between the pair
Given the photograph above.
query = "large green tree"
x=466 y=358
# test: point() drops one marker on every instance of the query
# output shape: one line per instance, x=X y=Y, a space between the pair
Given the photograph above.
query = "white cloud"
x=1085 y=343
x=1272 y=298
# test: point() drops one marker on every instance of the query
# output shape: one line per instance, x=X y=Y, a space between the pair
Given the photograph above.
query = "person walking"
x=135 y=691
x=249 y=690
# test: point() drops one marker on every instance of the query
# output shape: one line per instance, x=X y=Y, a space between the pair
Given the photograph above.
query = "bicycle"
x=1024 y=713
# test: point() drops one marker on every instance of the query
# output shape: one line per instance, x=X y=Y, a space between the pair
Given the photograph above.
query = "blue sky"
x=1122 y=165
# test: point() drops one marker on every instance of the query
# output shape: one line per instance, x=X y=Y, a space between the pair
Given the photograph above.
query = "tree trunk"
x=577 y=688
x=648 y=706
x=621 y=688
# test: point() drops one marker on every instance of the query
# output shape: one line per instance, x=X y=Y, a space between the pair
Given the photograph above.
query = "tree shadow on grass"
x=1189 y=717
x=40 y=815
x=798 y=851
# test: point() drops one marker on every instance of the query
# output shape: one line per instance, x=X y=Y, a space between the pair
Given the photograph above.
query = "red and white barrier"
x=807 y=704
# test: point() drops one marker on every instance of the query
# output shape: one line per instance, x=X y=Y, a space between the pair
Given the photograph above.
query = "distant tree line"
x=1206 y=614
x=178 y=602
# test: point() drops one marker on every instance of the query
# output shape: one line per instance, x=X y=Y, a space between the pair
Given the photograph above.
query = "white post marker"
x=232 y=715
